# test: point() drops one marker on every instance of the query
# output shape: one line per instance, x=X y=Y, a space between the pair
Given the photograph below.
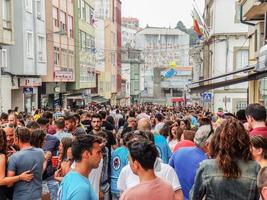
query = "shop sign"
x=30 y=82
x=28 y=90
x=63 y=76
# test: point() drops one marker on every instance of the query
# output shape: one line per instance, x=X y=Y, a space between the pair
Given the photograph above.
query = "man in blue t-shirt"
x=160 y=141
x=87 y=153
x=119 y=159
x=186 y=160
x=163 y=148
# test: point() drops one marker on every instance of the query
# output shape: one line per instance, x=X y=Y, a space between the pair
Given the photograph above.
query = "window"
x=82 y=40
x=71 y=60
x=6 y=14
x=30 y=44
x=87 y=42
x=64 y=57
x=56 y=55
x=241 y=59
x=91 y=15
x=83 y=9
x=28 y=5
x=39 y=9
x=87 y=13
x=41 y=49
x=70 y=26
x=55 y=16
x=62 y=20
x=3 y=58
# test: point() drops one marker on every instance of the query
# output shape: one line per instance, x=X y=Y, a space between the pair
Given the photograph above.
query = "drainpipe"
x=241 y=18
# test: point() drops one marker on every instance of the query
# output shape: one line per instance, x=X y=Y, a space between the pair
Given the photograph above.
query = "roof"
x=161 y=31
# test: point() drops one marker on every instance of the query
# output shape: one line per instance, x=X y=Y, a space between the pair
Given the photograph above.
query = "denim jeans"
x=52 y=186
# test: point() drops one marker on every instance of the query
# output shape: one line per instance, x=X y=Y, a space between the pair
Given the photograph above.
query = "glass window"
x=87 y=13
x=39 y=9
x=62 y=20
x=30 y=44
x=64 y=57
x=70 y=26
x=56 y=55
x=55 y=16
x=83 y=11
x=6 y=6
x=28 y=5
x=3 y=55
x=41 y=49
x=241 y=59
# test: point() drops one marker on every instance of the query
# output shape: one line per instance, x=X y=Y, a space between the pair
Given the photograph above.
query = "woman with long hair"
x=185 y=124
x=232 y=174
x=5 y=192
x=174 y=137
x=259 y=149
x=65 y=158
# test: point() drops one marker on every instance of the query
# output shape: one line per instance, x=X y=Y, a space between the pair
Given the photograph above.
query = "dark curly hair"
x=3 y=142
x=234 y=143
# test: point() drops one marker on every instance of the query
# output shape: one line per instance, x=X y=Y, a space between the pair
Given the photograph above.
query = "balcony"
x=253 y=9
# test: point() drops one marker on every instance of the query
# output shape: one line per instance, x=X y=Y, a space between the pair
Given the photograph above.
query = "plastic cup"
x=54 y=161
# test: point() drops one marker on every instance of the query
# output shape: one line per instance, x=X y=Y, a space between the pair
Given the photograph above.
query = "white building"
x=226 y=51
x=27 y=57
x=160 y=47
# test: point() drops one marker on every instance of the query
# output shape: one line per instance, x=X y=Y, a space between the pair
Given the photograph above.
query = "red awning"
x=177 y=99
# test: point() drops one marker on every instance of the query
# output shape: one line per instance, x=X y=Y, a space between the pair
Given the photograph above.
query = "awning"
x=177 y=100
x=74 y=96
x=249 y=77
x=99 y=99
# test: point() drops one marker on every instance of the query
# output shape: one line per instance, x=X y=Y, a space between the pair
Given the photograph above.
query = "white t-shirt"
x=142 y=115
x=94 y=177
x=127 y=179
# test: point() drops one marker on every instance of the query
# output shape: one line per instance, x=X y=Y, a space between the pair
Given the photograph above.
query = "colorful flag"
x=197 y=29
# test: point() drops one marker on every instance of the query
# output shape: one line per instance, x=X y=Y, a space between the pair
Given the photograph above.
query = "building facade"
x=29 y=52
x=131 y=64
x=6 y=39
x=108 y=42
x=85 y=51
x=253 y=14
x=160 y=47
x=130 y=22
x=60 y=52
x=225 y=51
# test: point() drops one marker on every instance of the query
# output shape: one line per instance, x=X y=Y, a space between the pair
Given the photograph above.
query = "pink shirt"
x=156 y=189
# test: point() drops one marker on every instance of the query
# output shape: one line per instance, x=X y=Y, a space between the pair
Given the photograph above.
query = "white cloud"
x=162 y=13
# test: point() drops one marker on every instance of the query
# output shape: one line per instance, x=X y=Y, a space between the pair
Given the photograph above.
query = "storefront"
x=26 y=95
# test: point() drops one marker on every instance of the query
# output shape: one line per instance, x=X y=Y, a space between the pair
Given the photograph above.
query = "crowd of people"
x=142 y=152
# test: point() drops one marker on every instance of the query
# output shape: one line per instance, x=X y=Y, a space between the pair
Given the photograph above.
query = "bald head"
x=10 y=136
x=144 y=125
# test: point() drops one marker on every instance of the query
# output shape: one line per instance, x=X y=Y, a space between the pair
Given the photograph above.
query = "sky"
x=160 y=13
